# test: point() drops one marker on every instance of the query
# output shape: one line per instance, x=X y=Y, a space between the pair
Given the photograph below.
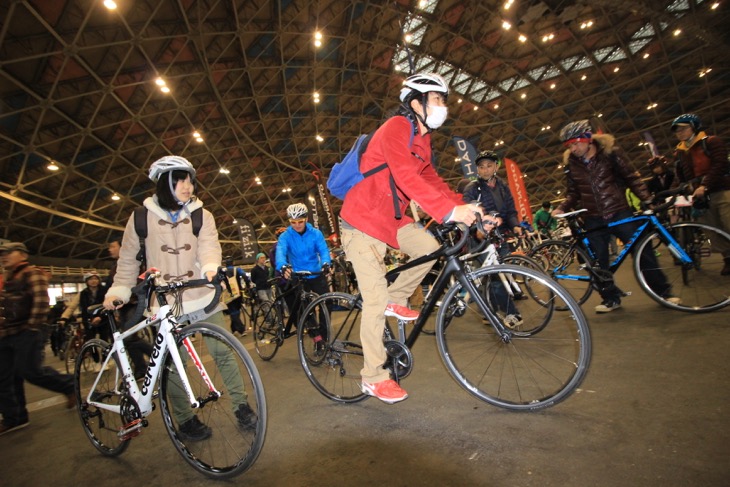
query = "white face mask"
x=437 y=117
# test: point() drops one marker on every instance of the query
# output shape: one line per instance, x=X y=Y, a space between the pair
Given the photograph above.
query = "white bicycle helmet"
x=170 y=163
x=91 y=274
x=297 y=210
x=423 y=83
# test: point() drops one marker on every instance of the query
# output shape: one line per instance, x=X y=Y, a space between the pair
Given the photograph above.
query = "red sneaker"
x=401 y=312
x=387 y=391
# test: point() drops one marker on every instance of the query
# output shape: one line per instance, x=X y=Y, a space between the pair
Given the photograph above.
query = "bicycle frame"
x=164 y=343
x=650 y=222
x=453 y=266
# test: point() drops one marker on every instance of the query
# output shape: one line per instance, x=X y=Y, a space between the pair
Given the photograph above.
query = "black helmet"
x=687 y=119
x=490 y=155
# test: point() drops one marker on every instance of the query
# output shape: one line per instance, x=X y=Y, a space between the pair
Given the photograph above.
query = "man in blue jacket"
x=302 y=248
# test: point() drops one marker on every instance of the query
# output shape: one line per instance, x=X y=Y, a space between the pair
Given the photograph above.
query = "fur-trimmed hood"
x=605 y=141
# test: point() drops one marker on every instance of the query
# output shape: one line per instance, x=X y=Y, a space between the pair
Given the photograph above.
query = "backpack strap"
x=197 y=218
x=140 y=227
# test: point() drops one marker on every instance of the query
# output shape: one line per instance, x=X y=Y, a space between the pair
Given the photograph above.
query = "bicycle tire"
x=73 y=347
x=231 y=448
x=101 y=426
x=335 y=372
x=566 y=264
x=698 y=284
x=268 y=330
x=540 y=315
x=522 y=373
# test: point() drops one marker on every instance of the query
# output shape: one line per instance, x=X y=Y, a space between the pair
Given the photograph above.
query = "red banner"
x=519 y=193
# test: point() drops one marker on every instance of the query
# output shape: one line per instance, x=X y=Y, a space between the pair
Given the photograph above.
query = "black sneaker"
x=4 y=428
x=246 y=417
x=194 y=430
x=608 y=306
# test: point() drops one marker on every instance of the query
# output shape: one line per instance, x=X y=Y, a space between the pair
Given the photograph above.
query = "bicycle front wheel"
x=268 y=330
x=698 y=284
x=521 y=371
x=223 y=436
x=333 y=365
x=101 y=425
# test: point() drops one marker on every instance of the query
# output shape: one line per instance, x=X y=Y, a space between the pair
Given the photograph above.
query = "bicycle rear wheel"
x=234 y=434
x=334 y=368
x=73 y=347
x=566 y=264
x=523 y=372
x=268 y=331
x=698 y=284
x=101 y=426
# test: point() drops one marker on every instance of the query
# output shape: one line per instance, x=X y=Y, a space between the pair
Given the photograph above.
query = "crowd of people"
x=374 y=218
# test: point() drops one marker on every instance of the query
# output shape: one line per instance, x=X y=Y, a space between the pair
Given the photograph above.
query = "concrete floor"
x=652 y=411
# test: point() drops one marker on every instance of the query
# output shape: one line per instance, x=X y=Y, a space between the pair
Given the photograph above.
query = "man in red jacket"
x=373 y=218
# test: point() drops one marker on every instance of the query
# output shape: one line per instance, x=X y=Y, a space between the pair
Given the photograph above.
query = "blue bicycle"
x=690 y=254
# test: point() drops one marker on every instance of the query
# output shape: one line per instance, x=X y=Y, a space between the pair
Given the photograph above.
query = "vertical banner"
x=311 y=202
x=249 y=243
x=467 y=155
x=517 y=187
x=329 y=215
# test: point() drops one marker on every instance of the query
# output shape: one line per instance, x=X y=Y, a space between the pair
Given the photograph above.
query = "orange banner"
x=519 y=193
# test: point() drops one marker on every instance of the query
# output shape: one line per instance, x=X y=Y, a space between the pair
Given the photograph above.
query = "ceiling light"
x=506 y=25
x=616 y=69
x=318 y=39
x=508 y=4
x=223 y=170
x=523 y=95
x=552 y=86
x=196 y=134
x=319 y=138
x=160 y=82
x=52 y=166
x=583 y=78
x=714 y=5
x=257 y=179
x=522 y=38
x=199 y=140
x=408 y=38
x=234 y=221
x=646 y=55
x=651 y=105
x=704 y=72
x=115 y=197
x=165 y=89
x=677 y=32
x=286 y=190
x=460 y=100
x=476 y=108
x=496 y=105
x=110 y=4
x=548 y=37
x=586 y=24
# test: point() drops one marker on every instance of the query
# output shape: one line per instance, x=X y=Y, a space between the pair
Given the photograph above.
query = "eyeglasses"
x=297 y=221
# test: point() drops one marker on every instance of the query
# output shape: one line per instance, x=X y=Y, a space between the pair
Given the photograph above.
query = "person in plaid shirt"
x=23 y=311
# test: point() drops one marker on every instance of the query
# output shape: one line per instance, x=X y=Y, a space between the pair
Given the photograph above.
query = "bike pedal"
x=131 y=430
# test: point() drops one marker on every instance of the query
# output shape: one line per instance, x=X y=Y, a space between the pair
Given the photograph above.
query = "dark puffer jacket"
x=599 y=186
x=704 y=163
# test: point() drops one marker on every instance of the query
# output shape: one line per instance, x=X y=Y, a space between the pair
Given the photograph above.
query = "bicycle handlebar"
x=144 y=290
